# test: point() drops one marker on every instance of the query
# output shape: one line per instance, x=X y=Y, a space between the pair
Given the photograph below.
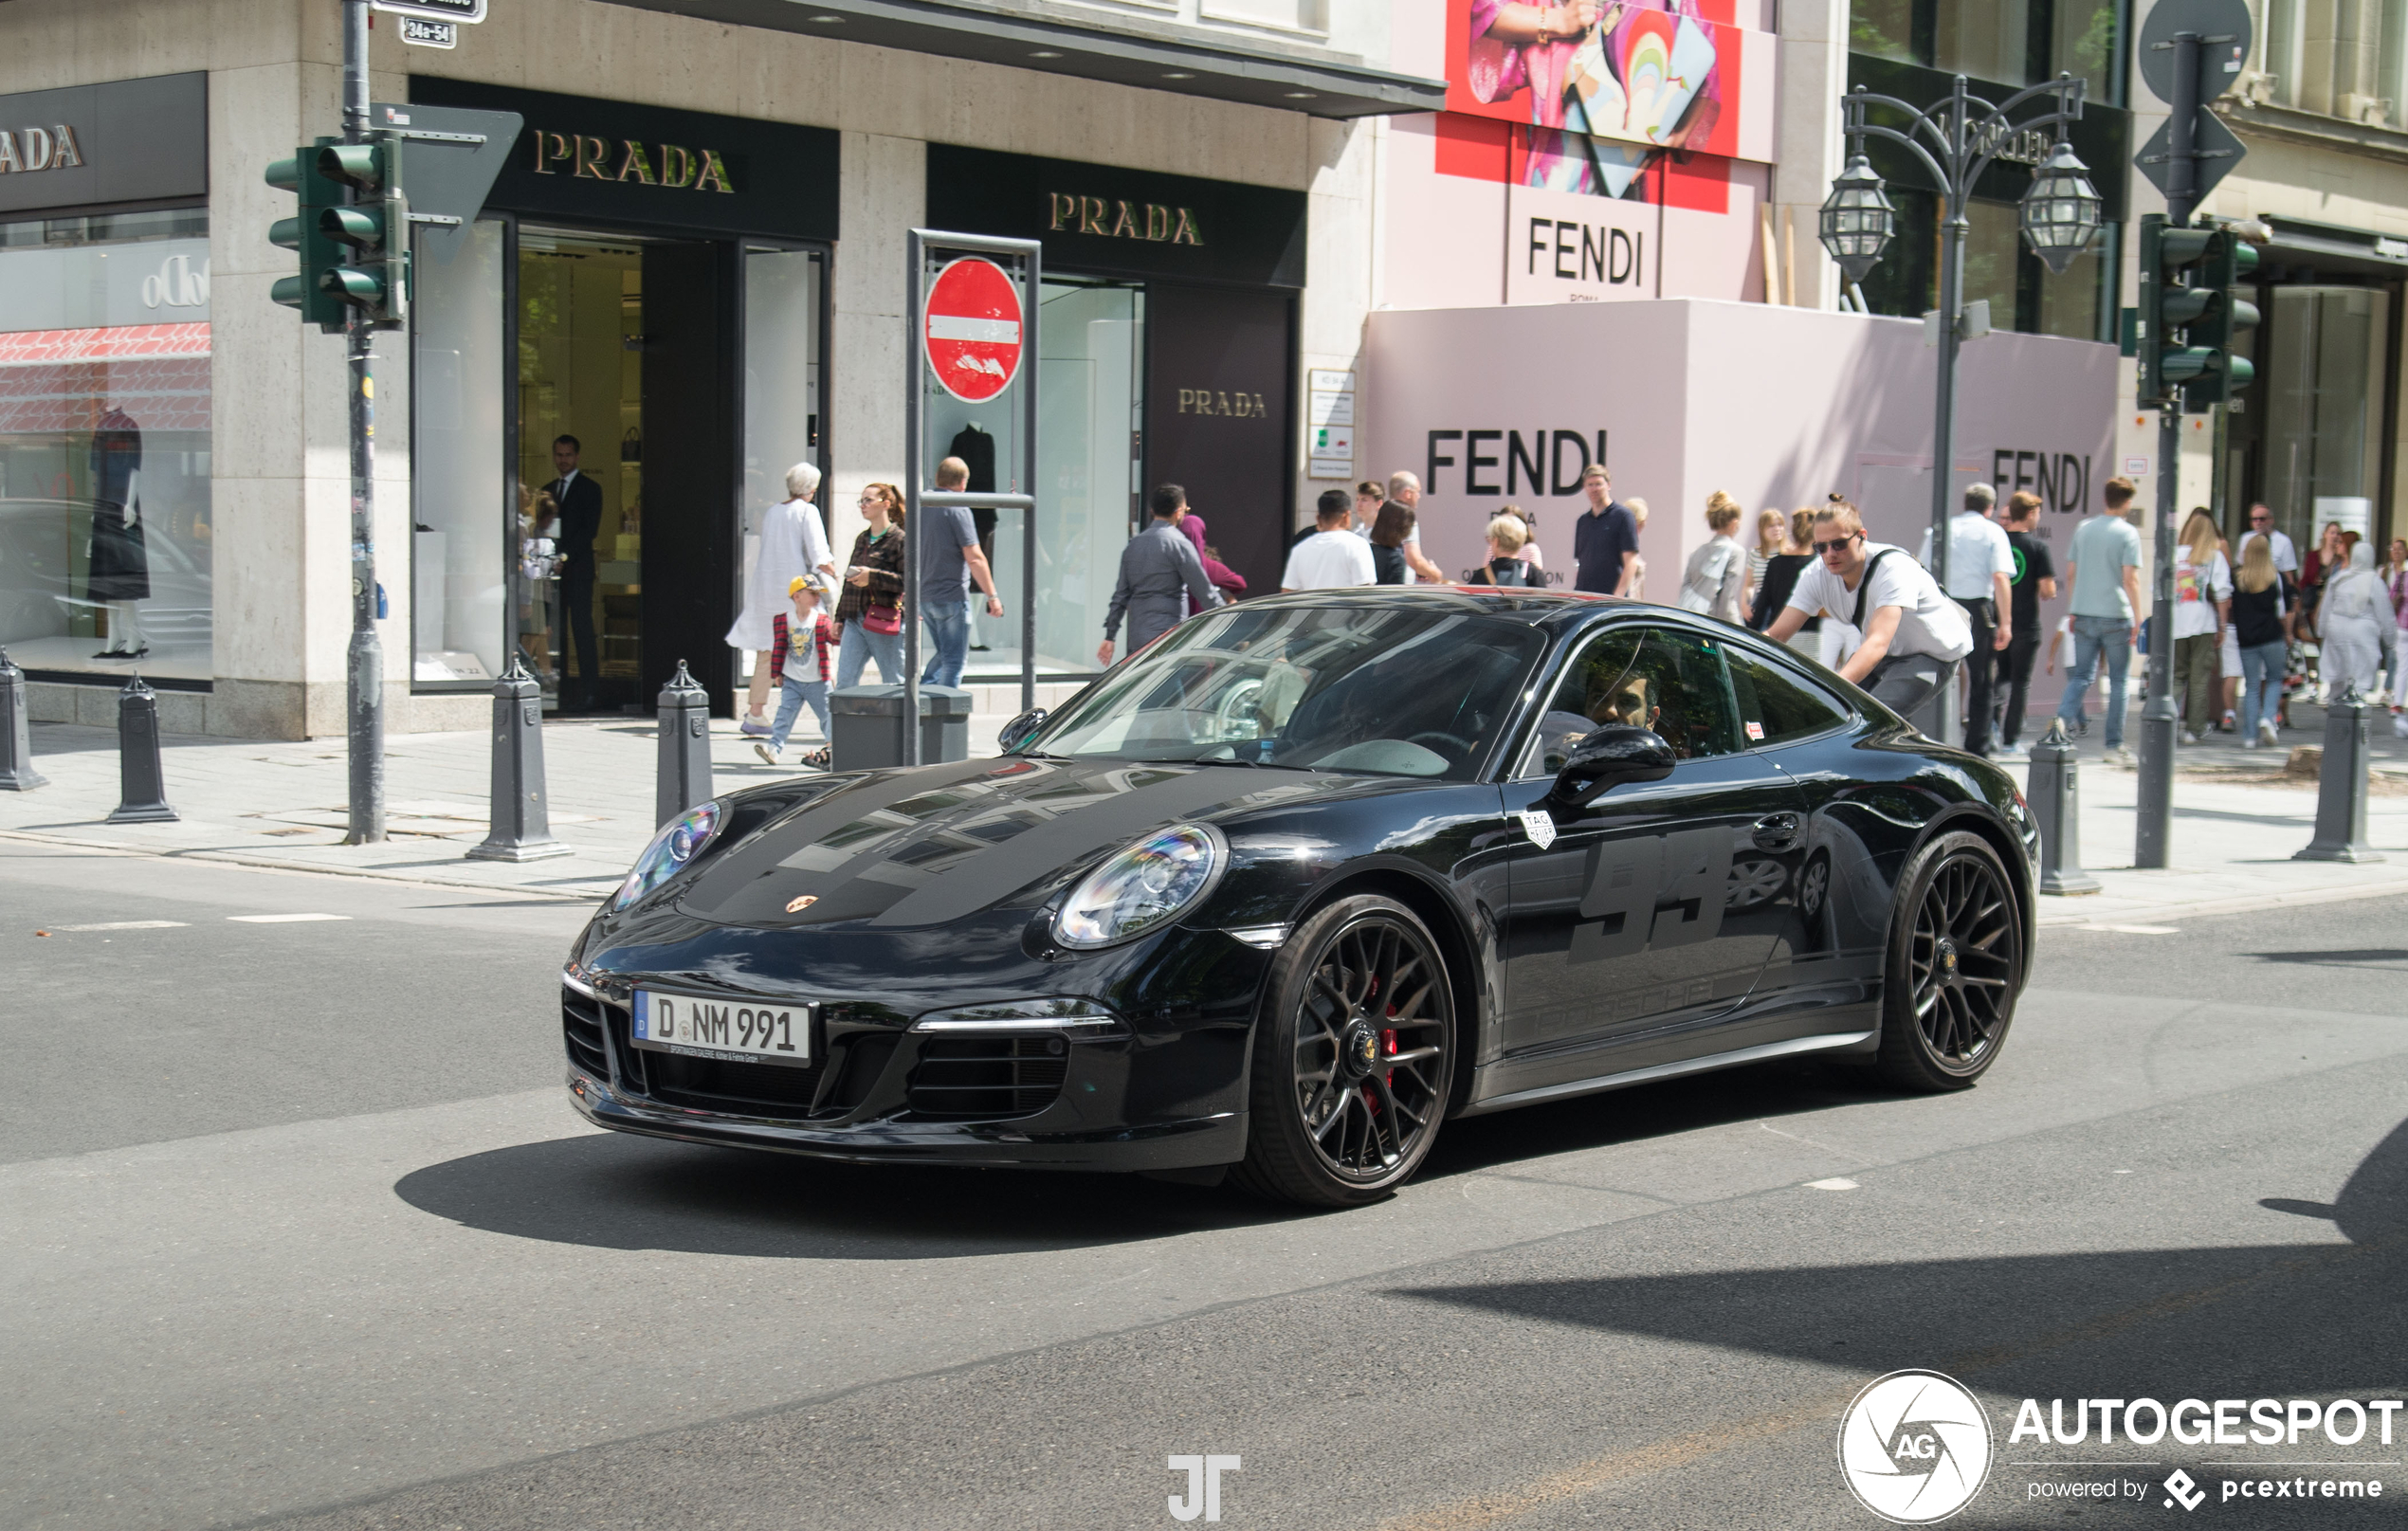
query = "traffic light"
x=2229 y=260
x=352 y=234
x=304 y=233
x=2172 y=296
x=373 y=231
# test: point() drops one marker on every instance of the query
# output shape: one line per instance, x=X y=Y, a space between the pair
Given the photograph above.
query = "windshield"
x=1378 y=690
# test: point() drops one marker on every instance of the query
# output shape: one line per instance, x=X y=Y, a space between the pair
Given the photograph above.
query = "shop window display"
x=105 y=446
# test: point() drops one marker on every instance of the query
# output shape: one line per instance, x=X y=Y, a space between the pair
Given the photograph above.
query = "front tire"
x=1954 y=965
x=1353 y=1057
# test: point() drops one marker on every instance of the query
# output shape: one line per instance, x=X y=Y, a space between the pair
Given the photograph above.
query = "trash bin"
x=866 y=726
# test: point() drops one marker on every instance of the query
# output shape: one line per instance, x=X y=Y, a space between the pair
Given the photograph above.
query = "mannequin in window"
x=973 y=446
x=117 y=571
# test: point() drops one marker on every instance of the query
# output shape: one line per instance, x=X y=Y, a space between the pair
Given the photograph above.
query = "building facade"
x=692 y=262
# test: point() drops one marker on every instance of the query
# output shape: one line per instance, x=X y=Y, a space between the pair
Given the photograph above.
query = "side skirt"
x=1670 y=1071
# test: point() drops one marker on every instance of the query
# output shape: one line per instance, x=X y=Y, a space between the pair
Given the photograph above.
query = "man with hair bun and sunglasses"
x=1914 y=634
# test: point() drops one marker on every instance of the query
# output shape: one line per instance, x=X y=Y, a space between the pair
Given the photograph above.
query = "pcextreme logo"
x=1914 y=1446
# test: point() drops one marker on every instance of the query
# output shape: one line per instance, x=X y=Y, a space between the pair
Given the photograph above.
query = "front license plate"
x=734 y=1031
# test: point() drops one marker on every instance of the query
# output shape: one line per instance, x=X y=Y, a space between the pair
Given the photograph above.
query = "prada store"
x=650 y=284
x=1167 y=351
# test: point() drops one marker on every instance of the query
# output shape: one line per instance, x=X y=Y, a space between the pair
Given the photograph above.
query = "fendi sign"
x=581 y=159
x=586 y=156
x=129 y=140
x=1121 y=219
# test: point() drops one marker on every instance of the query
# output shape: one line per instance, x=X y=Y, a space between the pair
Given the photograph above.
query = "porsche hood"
x=918 y=848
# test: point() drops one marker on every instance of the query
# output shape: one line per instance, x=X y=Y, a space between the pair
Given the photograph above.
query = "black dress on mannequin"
x=119 y=569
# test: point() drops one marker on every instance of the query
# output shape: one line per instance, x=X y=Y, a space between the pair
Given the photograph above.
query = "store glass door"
x=581 y=459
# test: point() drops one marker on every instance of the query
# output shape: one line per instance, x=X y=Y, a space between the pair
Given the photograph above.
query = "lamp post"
x=1955 y=140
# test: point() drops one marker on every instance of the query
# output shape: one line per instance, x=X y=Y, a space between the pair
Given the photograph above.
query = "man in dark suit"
x=580 y=502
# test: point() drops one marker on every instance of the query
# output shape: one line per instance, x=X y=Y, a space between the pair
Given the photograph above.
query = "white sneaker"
x=2249 y=745
x=2266 y=732
x=767 y=755
x=2119 y=756
x=2189 y=738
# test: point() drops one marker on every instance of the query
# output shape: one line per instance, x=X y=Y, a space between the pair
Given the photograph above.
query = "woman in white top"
x=2358 y=625
x=793 y=544
x=1714 y=580
x=2202 y=604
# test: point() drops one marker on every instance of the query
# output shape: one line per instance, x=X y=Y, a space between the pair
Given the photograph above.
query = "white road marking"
x=2134 y=930
x=1833 y=1184
x=280 y=919
x=129 y=924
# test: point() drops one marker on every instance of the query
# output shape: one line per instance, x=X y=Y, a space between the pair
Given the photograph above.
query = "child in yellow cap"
x=798 y=653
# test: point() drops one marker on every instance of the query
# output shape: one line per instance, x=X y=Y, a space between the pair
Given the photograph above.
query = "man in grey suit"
x=1156 y=568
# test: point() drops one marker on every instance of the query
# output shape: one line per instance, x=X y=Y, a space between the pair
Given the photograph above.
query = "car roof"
x=1557 y=611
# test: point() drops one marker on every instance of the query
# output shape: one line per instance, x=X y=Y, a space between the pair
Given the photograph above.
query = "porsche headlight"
x=680 y=841
x=1146 y=887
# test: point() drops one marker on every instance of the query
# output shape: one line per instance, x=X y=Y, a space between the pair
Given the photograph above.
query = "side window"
x=1661 y=678
x=1775 y=707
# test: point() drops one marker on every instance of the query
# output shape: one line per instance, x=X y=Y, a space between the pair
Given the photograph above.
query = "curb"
x=2222 y=907
x=278 y=864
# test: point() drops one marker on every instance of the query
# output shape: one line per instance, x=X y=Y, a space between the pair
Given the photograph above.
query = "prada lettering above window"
x=1118 y=218
x=31 y=149
x=585 y=156
x=1234 y=403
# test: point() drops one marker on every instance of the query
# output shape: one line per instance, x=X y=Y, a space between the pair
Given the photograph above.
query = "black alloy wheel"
x=1353 y=1057
x=1956 y=959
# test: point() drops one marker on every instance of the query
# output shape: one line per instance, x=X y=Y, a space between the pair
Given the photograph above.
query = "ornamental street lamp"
x=1955 y=140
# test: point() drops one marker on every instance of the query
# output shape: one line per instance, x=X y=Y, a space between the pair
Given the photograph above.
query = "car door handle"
x=1776 y=831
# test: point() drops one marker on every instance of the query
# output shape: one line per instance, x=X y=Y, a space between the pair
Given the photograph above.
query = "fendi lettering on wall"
x=1118 y=218
x=126 y=141
x=702 y=169
x=1237 y=405
x=586 y=160
x=50 y=147
x=1113 y=221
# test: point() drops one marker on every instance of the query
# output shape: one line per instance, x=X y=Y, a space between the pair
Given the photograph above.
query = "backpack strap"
x=1864 y=588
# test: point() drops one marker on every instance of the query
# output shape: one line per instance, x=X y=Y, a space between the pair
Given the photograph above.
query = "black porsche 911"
x=1309 y=876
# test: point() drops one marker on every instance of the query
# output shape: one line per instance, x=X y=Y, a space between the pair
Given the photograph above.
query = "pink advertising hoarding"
x=1779 y=407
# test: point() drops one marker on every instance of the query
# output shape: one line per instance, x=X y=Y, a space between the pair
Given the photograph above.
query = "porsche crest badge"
x=795 y=906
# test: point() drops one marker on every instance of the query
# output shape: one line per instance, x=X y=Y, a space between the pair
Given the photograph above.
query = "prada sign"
x=1110 y=221
x=131 y=140
x=611 y=162
x=1237 y=405
x=1123 y=220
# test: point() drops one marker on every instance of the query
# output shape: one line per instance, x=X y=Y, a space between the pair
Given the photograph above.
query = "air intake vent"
x=989 y=1078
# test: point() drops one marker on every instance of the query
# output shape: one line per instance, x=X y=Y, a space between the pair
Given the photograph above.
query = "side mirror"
x=1608 y=756
x=1020 y=730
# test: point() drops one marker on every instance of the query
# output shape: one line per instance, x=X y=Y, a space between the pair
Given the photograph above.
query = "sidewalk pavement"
x=2236 y=818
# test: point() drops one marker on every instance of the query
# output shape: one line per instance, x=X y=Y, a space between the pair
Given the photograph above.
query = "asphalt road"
x=299 y=1231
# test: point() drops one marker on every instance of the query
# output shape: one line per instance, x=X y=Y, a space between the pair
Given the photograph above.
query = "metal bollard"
x=685 y=747
x=16 y=740
x=2341 y=788
x=141 y=780
x=2054 y=790
x=521 y=816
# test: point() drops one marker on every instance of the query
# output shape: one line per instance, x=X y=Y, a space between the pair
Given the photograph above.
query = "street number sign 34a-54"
x=972 y=329
x=467 y=11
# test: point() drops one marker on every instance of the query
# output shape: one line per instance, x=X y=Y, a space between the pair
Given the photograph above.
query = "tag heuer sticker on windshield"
x=1539 y=826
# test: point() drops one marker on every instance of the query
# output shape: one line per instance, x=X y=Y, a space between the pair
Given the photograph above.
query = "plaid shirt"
x=823 y=634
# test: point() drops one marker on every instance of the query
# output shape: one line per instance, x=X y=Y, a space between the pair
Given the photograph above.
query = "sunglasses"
x=1826 y=550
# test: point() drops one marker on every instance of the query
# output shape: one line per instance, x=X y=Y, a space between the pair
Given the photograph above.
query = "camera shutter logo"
x=1914 y=1446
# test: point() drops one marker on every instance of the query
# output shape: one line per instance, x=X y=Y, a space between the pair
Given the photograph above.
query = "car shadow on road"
x=613 y=1191
x=2317 y=1319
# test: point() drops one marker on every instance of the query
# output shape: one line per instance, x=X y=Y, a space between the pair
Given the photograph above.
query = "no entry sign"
x=972 y=329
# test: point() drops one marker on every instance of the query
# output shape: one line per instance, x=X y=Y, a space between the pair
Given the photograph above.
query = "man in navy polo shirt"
x=1605 y=539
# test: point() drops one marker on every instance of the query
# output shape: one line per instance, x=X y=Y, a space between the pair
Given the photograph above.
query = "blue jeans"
x=2262 y=666
x=792 y=697
x=949 y=636
x=859 y=646
x=2093 y=635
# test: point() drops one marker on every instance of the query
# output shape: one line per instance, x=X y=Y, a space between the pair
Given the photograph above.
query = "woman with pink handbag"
x=869 y=614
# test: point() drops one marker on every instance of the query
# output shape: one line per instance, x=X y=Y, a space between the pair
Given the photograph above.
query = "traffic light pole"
x=364 y=697
x=2153 y=836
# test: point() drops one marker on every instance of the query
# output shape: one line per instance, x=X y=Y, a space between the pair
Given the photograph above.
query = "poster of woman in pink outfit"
x=1612 y=83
